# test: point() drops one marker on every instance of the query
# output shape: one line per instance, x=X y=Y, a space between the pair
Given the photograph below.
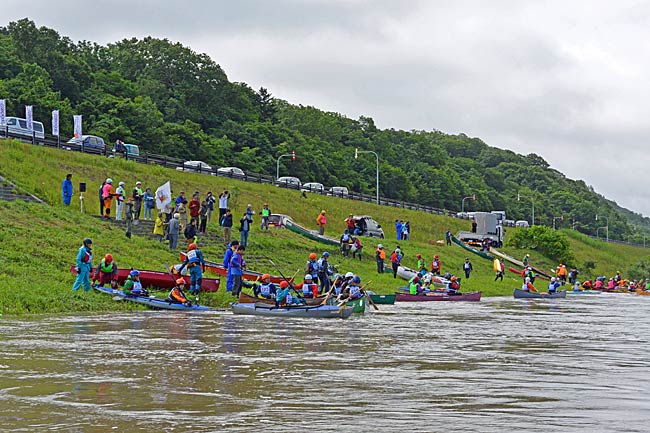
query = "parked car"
x=88 y=142
x=196 y=167
x=231 y=172
x=277 y=220
x=338 y=191
x=508 y=223
x=18 y=126
x=313 y=187
x=288 y=182
x=522 y=223
x=366 y=226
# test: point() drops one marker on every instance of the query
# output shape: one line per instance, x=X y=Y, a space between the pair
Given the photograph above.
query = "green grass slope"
x=38 y=243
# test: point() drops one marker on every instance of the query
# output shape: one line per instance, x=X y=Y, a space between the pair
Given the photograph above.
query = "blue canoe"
x=315 y=311
x=520 y=294
x=583 y=292
x=153 y=302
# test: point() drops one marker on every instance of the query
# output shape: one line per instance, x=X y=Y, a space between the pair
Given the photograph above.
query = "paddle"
x=369 y=298
x=285 y=278
x=362 y=291
x=171 y=274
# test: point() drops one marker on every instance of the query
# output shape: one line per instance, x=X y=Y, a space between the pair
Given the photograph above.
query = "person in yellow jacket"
x=159 y=227
x=321 y=220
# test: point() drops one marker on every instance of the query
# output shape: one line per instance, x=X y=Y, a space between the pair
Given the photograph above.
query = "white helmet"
x=552 y=279
x=121 y=184
x=380 y=246
x=349 y=275
x=528 y=279
x=308 y=277
x=109 y=180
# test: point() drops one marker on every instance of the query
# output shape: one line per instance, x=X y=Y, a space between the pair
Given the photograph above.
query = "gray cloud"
x=565 y=80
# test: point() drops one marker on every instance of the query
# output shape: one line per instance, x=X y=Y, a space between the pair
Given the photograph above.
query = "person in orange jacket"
x=321 y=220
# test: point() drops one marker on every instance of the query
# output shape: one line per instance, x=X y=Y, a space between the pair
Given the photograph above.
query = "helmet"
x=436 y=256
x=109 y=180
x=419 y=256
x=380 y=246
x=528 y=279
x=180 y=281
x=265 y=277
x=349 y=275
x=191 y=247
x=138 y=183
x=108 y=258
x=134 y=273
x=552 y=279
x=121 y=184
x=312 y=256
x=356 y=279
x=416 y=279
x=88 y=241
x=326 y=254
x=284 y=284
x=453 y=278
x=527 y=255
x=308 y=277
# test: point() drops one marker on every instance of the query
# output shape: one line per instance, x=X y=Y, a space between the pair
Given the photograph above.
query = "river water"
x=580 y=364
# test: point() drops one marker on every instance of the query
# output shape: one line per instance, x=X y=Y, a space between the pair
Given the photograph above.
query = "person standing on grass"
x=356 y=248
x=266 y=214
x=101 y=199
x=230 y=251
x=203 y=215
x=210 y=200
x=190 y=232
x=108 y=193
x=398 y=228
x=119 y=201
x=223 y=203
x=467 y=267
x=182 y=215
x=237 y=266
x=448 y=236
x=128 y=216
x=172 y=232
x=83 y=265
x=138 y=194
x=499 y=268
x=321 y=221
x=149 y=203
x=324 y=272
x=66 y=189
x=226 y=223
x=244 y=228
x=195 y=208
x=395 y=260
x=180 y=199
x=380 y=256
x=159 y=227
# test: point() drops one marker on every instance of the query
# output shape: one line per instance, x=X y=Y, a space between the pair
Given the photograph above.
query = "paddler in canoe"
x=528 y=286
x=195 y=262
x=415 y=288
x=309 y=289
x=283 y=296
x=266 y=289
x=177 y=295
x=106 y=272
x=554 y=284
x=354 y=290
x=133 y=286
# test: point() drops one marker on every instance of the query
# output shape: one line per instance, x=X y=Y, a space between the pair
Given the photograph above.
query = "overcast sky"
x=567 y=80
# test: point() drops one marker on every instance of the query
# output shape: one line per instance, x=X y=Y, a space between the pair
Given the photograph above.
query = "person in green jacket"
x=132 y=285
x=414 y=286
x=266 y=213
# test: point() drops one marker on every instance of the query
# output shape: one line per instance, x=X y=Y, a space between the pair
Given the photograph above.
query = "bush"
x=545 y=240
x=639 y=270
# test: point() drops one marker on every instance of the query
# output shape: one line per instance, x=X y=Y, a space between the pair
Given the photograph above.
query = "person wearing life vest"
x=237 y=266
x=528 y=286
x=453 y=286
x=309 y=289
x=598 y=284
x=321 y=220
x=395 y=260
x=467 y=267
x=176 y=295
x=435 y=265
x=421 y=265
x=617 y=277
x=414 y=286
x=108 y=192
x=345 y=244
x=232 y=247
x=350 y=222
x=106 y=271
x=195 y=262
x=356 y=247
x=266 y=288
x=312 y=267
x=499 y=268
x=83 y=266
x=561 y=273
x=341 y=285
x=354 y=289
x=380 y=256
x=611 y=284
x=528 y=273
x=283 y=296
x=266 y=214
x=133 y=286
x=553 y=285
x=324 y=273
x=587 y=285
x=526 y=259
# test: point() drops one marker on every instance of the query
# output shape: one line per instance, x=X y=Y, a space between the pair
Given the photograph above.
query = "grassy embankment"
x=38 y=243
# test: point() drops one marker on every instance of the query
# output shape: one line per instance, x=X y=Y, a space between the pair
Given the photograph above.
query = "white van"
x=338 y=191
x=522 y=223
x=18 y=126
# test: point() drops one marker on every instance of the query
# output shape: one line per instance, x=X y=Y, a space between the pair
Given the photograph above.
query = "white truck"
x=487 y=227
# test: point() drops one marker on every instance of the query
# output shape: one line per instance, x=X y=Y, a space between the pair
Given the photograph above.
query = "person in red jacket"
x=195 y=208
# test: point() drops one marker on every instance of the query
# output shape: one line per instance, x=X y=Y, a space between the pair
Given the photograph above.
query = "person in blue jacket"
x=232 y=247
x=237 y=266
x=194 y=261
x=84 y=265
x=66 y=189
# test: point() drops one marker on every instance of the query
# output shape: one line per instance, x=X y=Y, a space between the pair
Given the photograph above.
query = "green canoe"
x=470 y=249
x=383 y=299
x=311 y=234
x=358 y=305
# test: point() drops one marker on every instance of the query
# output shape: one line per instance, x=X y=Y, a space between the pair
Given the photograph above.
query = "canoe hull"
x=470 y=249
x=321 y=311
x=245 y=298
x=383 y=299
x=155 y=303
x=248 y=275
x=408 y=273
x=520 y=294
x=161 y=280
x=432 y=297
x=358 y=305
x=583 y=292
x=311 y=234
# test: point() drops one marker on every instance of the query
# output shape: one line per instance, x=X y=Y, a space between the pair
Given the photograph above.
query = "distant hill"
x=171 y=100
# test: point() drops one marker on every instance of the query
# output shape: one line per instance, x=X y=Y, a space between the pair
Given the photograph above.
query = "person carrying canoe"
x=133 y=286
x=414 y=286
x=528 y=286
x=312 y=267
x=83 y=266
x=106 y=272
x=237 y=266
x=232 y=247
x=176 y=295
x=436 y=265
x=194 y=261
x=453 y=286
x=525 y=260
x=554 y=284
x=266 y=288
x=499 y=268
x=309 y=289
x=561 y=274
x=283 y=296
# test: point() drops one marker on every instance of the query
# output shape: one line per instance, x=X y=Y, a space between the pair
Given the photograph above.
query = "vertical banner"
x=163 y=195
x=29 y=117
x=55 y=122
x=3 y=112
x=77 y=126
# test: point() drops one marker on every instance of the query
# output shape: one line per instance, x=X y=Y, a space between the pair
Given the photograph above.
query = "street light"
x=557 y=218
x=519 y=197
x=356 y=156
x=277 y=167
x=462 y=205
x=606 y=226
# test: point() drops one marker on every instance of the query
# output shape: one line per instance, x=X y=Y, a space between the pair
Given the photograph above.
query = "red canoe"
x=161 y=280
x=248 y=275
x=431 y=296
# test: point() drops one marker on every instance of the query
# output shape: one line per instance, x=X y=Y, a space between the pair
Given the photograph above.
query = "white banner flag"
x=29 y=117
x=77 y=126
x=3 y=112
x=55 y=122
x=163 y=195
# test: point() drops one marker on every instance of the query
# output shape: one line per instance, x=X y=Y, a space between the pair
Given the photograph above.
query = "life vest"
x=355 y=292
x=394 y=257
x=453 y=287
x=526 y=287
x=177 y=295
x=120 y=194
x=106 y=191
x=381 y=254
x=137 y=287
x=552 y=287
x=413 y=287
x=192 y=257
x=308 y=289
x=267 y=289
x=106 y=268
x=345 y=237
x=88 y=257
x=266 y=212
x=435 y=264
x=598 y=284
x=312 y=268
x=420 y=264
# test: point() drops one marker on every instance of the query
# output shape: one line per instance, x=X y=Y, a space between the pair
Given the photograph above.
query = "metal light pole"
x=519 y=197
x=277 y=166
x=606 y=225
x=462 y=205
x=356 y=156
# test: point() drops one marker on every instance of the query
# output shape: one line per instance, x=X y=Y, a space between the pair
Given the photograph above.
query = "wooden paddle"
x=361 y=290
x=285 y=278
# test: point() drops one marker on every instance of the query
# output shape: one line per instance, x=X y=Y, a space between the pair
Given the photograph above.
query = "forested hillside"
x=170 y=100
